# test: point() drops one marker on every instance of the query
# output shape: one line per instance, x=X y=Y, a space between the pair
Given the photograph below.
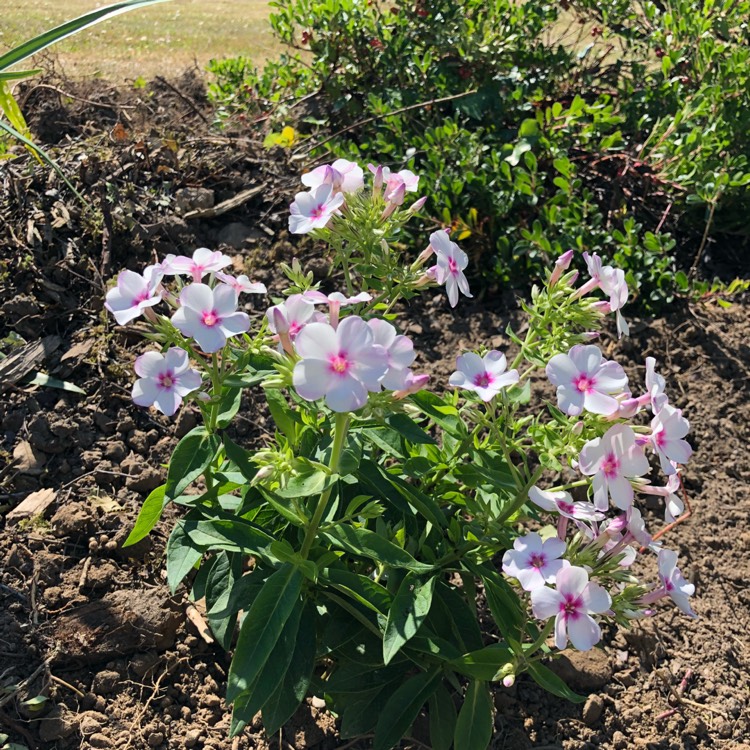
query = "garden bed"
x=92 y=626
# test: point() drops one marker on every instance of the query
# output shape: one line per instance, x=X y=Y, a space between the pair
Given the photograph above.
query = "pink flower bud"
x=509 y=680
x=561 y=265
x=280 y=323
x=417 y=205
x=414 y=383
x=377 y=183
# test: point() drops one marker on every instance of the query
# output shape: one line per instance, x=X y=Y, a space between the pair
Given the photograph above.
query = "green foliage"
x=617 y=128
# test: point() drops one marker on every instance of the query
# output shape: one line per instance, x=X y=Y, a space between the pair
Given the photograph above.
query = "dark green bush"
x=621 y=127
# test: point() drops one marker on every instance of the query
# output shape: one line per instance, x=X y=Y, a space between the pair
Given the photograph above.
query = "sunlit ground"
x=156 y=40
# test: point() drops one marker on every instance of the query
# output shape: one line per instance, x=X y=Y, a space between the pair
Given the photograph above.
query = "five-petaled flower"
x=335 y=302
x=344 y=176
x=314 y=210
x=571 y=604
x=612 y=460
x=242 y=283
x=674 y=583
x=342 y=364
x=585 y=380
x=210 y=316
x=484 y=375
x=451 y=261
x=134 y=294
x=164 y=380
x=668 y=428
x=400 y=355
x=203 y=261
x=534 y=562
x=292 y=315
x=561 y=502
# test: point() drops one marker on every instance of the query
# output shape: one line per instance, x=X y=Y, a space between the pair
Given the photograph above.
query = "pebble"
x=105 y=681
x=592 y=709
x=192 y=738
x=100 y=740
x=619 y=741
x=155 y=739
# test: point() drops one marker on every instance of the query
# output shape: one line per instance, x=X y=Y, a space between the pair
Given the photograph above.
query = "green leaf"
x=547 y=679
x=38 y=43
x=403 y=707
x=239 y=457
x=442 y=719
x=504 y=605
x=409 y=429
x=410 y=608
x=361 y=712
x=229 y=405
x=182 y=555
x=41 y=378
x=220 y=581
x=360 y=588
x=17 y=75
x=190 y=459
x=272 y=675
x=456 y=620
x=262 y=628
x=222 y=613
x=474 y=725
x=149 y=515
x=286 y=420
x=231 y=534
x=284 y=701
x=365 y=543
x=308 y=484
x=484 y=663
x=442 y=413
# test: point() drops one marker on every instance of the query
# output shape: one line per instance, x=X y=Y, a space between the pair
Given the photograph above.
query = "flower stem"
x=339 y=437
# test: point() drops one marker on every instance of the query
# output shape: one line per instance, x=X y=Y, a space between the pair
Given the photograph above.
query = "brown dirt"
x=93 y=625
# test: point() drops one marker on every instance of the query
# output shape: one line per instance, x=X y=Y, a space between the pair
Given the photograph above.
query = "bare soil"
x=92 y=626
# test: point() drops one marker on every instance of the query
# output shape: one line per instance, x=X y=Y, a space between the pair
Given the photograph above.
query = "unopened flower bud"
x=263 y=473
x=561 y=265
x=577 y=427
x=417 y=205
x=509 y=680
x=414 y=383
x=377 y=182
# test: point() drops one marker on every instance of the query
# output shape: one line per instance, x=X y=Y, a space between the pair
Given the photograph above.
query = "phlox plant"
x=400 y=545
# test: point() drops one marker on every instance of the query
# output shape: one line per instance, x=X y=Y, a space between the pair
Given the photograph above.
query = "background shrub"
x=620 y=128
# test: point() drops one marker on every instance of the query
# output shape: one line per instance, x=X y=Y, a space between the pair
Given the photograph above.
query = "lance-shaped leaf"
x=474 y=725
x=410 y=608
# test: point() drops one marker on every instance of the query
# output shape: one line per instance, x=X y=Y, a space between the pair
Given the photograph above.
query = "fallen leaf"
x=28 y=460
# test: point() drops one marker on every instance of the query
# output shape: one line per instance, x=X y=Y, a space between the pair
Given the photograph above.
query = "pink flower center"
x=294 y=328
x=339 y=364
x=537 y=560
x=166 y=379
x=210 y=318
x=610 y=466
x=142 y=297
x=584 y=383
x=452 y=266
x=318 y=211
x=564 y=507
x=571 y=606
x=660 y=438
x=483 y=380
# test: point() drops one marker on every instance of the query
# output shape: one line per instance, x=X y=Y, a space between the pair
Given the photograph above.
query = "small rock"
x=35 y=504
x=149 y=479
x=90 y=722
x=125 y=425
x=186 y=420
x=57 y=725
x=155 y=739
x=28 y=460
x=138 y=441
x=73 y=518
x=100 y=740
x=592 y=709
x=192 y=198
x=192 y=738
x=115 y=450
x=105 y=681
x=619 y=741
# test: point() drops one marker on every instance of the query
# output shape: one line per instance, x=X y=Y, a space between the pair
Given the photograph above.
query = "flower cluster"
x=205 y=313
x=465 y=471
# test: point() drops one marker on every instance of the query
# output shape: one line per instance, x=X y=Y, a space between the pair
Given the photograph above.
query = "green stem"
x=539 y=642
x=339 y=437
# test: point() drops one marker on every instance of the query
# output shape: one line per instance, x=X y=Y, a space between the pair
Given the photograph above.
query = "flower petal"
x=584 y=632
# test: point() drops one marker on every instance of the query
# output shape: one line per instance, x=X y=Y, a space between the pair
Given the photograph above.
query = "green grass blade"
x=38 y=43
x=17 y=75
